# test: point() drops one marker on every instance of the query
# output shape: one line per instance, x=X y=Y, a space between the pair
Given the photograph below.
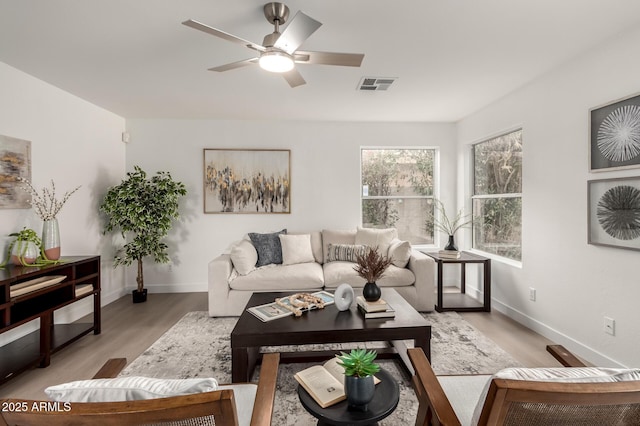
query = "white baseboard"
x=557 y=337
x=173 y=288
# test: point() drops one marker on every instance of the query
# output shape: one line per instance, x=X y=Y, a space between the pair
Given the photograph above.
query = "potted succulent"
x=359 y=368
x=143 y=208
x=370 y=266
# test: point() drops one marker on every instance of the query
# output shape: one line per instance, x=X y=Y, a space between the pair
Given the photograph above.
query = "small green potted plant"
x=25 y=248
x=359 y=368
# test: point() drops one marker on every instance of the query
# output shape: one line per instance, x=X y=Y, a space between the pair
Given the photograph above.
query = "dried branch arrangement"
x=371 y=265
x=46 y=205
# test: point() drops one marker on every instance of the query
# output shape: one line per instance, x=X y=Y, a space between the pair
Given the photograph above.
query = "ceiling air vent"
x=375 y=83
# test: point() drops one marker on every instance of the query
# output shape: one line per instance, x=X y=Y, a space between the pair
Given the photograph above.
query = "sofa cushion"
x=399 y=252
x=301 y=276
x=296 y=249
x=336 y=236
x=336 y=273
x=345 y=252
x=380 y=238
x=244 y=257
x=268 y=247
x=316 y=244
x=127 y=389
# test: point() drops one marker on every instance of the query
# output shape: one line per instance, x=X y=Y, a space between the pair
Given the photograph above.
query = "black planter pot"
x=451 y=245
x=371 y=292
x=139 y=296
x=360 y=391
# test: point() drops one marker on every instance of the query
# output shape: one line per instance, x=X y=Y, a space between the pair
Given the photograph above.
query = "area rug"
x=199 y=346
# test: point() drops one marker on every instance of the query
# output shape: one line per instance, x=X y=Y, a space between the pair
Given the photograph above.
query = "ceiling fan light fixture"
x=276 y=61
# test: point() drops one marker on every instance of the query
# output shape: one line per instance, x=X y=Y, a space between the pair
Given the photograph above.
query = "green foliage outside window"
x=398 y=191
x=497 y=202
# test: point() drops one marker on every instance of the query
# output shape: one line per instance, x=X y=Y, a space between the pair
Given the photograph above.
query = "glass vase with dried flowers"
x=47 y=207
x=371 y=266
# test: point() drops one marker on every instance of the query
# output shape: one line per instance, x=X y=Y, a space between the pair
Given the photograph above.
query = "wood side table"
x=385 y=400
x=461 y=301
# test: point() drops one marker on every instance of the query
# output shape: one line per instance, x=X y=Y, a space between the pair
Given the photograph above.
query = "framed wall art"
x=15 y=162
x=614 y=212
x=247 y=181
x=614 y=139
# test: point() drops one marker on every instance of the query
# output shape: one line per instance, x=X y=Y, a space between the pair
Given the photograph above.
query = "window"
x=497 y=195
x=397 y=191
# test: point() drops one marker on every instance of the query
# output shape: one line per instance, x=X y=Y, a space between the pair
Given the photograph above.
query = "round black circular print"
x=618 y=212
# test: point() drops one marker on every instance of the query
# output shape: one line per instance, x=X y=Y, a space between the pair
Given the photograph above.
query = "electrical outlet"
x=532 y=294
x=610 y=326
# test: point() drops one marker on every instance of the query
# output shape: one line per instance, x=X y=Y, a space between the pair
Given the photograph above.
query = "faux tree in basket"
x=370 y=266
x=143 y=209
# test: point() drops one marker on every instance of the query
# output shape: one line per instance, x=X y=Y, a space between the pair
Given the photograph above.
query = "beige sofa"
x=233 y=277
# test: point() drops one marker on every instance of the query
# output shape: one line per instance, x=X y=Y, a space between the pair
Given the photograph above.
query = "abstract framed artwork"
x=247 y=181
x=615 y=135
x=614 y=212
x=15 y=162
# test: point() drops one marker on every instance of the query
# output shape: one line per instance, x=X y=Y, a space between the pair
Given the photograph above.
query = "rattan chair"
x=526 y=402
x=207 y=408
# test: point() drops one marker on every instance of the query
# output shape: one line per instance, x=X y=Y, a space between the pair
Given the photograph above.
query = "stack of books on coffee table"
x=378 y=309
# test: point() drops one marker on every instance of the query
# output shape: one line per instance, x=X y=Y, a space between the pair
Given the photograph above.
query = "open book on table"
x=325 y=383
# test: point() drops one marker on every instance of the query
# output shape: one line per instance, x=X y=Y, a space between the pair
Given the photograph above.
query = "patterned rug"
x=199 y=346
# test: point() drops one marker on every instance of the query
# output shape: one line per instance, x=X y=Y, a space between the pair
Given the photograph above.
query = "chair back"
x=523 y=402
x=207 y=408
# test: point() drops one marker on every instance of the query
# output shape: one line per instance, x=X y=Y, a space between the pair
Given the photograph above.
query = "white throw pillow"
x=244 y=257
x=296 y=249
x=400 y=252
x=127 y=389
x=373 y=238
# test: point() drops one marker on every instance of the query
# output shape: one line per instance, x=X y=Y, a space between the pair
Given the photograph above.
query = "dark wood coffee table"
x=324 y=326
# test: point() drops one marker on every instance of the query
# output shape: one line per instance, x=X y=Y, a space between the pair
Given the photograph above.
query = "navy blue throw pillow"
x=268 y=247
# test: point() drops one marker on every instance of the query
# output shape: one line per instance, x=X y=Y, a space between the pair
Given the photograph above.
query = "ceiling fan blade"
x=234 y=65
x=298 y=30
x=219 y=33
x=329 y=58
x=294 y=78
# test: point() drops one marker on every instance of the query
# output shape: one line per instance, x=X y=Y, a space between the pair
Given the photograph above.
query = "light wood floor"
x=127 y=330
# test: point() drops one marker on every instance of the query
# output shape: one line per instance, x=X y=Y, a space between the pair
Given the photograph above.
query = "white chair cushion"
x=464 y=392
x=127 y=389
x=296 y=249
x=245 y=396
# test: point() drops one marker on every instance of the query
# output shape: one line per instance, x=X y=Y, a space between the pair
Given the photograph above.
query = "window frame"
x=435 y=188
x=473 y=196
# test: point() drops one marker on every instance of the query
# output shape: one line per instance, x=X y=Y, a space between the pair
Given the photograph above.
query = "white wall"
x=577 y=284
x=74 y=143
x=325 y=176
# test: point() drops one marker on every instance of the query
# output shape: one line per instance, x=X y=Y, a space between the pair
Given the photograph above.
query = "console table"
x=462 y=301
x=28 y=293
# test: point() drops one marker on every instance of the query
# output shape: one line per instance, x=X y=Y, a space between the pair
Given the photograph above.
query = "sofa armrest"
x=220 y=270
x=424 y=269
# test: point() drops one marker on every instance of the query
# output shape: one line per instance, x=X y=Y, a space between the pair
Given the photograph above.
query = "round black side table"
x=385 y=400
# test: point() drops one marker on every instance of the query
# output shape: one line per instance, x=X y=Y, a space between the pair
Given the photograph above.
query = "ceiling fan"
x=278 y=51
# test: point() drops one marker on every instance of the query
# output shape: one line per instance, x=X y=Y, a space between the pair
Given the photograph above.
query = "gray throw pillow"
x=268 y=247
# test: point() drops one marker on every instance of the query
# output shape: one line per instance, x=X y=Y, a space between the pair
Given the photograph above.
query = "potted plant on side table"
x=145 y=209
x=359 y=384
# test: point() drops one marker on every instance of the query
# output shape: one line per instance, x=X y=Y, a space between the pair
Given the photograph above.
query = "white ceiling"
x=452 y=57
